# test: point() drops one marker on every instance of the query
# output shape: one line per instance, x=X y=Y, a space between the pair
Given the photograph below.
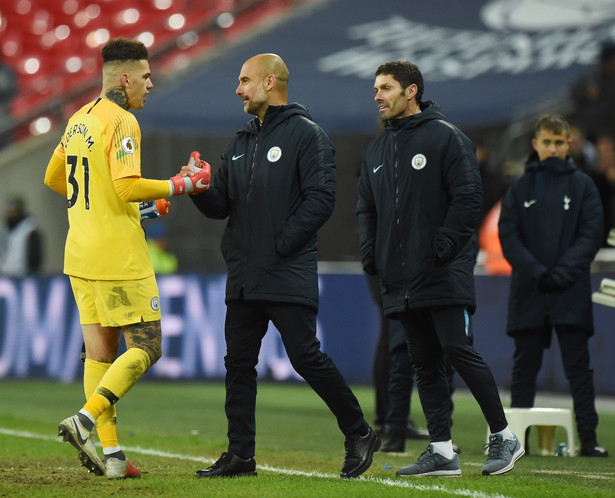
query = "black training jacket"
x=276 y=185
x=420 y=197
x=551 y=219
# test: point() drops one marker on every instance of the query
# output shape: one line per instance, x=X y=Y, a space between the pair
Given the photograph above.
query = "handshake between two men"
x=193 y=178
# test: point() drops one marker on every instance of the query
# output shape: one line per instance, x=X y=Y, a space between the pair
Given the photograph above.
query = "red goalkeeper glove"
x=195 y=184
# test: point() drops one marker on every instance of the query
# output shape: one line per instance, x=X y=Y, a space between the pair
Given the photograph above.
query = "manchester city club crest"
x=274 y=154
x=419 y=161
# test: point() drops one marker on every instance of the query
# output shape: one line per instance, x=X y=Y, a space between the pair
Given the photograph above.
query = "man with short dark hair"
x=551 y=229
x=420 y=197
x=97 y=168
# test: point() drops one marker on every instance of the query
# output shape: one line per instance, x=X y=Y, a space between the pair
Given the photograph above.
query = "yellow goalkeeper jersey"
x=105 y=240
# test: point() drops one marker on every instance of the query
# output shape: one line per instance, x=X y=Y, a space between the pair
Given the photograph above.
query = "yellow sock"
x=96 y=405
x=107 y=432
x=119 y=378
x=93 y=372
x=125 y=371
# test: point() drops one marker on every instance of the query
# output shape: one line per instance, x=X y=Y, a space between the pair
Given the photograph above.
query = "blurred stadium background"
x=493 y=65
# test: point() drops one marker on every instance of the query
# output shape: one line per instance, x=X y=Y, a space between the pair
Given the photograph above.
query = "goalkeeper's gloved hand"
x=195 y=184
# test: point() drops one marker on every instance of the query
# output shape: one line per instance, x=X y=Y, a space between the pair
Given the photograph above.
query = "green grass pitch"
x=170 y=429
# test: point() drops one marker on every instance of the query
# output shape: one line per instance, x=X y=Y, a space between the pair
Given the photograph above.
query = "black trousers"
x=436 y=335
x=573 y=342
x=401 y=380
x=245 y=327
x=380 y=366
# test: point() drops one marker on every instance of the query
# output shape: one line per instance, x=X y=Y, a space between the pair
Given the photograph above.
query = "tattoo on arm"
x=119 y=96
x=146 y=336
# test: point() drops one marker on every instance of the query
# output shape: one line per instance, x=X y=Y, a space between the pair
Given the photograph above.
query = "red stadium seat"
x=58 y=33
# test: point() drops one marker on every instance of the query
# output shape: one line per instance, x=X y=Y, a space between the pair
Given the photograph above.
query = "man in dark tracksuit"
x=420 y=198
x=276 y=185
x=551 y=229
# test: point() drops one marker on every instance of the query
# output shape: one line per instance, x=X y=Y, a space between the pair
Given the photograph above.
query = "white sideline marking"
x=602 y=475
x=386 y=482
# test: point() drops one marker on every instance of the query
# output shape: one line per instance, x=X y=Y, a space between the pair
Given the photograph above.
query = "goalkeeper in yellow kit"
x=97 y=167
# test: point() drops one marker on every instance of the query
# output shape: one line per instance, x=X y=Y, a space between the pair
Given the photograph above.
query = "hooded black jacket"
x=551 y=219
x=420 y=197
x=276 y=185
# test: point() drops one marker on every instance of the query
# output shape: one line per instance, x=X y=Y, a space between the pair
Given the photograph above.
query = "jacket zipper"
x=397 y=214
x=252 y=168
x=250 y=182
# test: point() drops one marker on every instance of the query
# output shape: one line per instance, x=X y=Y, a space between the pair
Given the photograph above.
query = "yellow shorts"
x=115 y=303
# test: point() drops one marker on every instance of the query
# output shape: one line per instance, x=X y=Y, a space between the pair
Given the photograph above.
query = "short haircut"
x=406 y=73
x=555 y=123
x=123 y=50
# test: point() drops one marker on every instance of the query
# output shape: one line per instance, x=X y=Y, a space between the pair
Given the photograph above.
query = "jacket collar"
x=554 y=164
x=429 y=111
x=276 y=114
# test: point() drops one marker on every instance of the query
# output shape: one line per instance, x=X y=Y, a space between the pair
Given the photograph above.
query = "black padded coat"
x=551 y=219
x=276 y=185
x=420 y=197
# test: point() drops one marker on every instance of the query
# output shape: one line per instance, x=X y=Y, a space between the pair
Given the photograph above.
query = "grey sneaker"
x=432 y=464
x=503 y=453
x=72 y=430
